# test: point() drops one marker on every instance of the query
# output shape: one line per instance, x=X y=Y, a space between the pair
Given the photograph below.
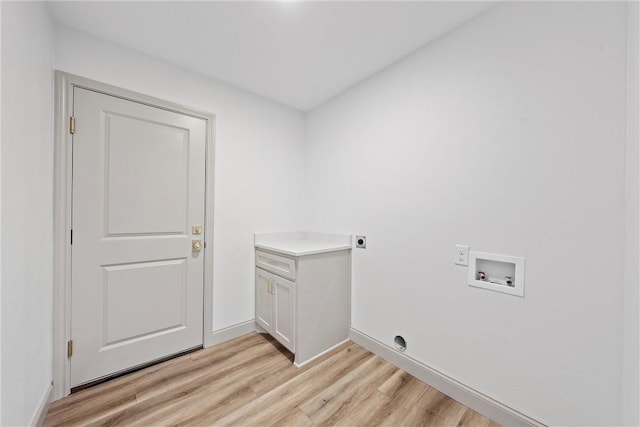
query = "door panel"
x=264 y=300
x=163 y=285
x=284 y=302
x=138 y=187
x=147 y=176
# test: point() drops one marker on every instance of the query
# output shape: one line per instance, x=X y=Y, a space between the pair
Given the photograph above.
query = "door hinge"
x=72 y=125
x=71 y=238
x=69 y=349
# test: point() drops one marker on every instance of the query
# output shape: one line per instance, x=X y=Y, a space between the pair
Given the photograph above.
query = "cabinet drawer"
x=285 y=267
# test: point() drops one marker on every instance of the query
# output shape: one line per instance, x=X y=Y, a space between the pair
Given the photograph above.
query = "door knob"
x=196 y=245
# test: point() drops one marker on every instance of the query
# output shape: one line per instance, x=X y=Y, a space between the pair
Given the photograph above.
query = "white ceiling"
x=297 y=53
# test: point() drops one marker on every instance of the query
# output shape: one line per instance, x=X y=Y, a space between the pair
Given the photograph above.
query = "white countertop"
x=302 y=243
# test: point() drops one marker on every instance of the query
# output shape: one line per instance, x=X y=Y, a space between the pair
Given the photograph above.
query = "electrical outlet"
x=462 y=255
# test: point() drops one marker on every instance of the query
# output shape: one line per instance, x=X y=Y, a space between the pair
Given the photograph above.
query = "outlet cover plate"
x=462 y=255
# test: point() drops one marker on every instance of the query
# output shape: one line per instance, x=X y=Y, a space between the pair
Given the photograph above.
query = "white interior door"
x=138 y=191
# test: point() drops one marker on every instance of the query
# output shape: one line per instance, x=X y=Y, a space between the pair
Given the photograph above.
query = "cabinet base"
x=301 y=364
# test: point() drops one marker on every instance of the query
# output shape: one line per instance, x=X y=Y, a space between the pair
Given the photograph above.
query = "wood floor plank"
x=214 y=411
x=381 y=408
x=229 y=347
x=268 y=407
x=250 y=381
x=202 y=366
x=293 y=418
x=80 y=412
x=273 y=378
x=432 y=409
x=473 y=419
x=123 y=392
x=102 y=400
x=106 y=398
x=440 y=405
x=365 y=410
x=405 y=389
x=342 y=400
x=207 y=408
x=214 y=386
x=413 y=417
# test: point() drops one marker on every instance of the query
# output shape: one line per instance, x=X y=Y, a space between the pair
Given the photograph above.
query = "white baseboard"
x=37 y=420
x=469 y=397
x=300 y=365
x=226 y=334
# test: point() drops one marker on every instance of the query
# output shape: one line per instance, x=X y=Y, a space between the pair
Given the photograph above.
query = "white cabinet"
x=285 y=267
x=275 y=307
x=264 y=300
x=304 y=301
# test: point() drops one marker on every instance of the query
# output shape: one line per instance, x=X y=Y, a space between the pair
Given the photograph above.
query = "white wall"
x=259 y=154
x=26 y=230
x=508 y=134
x=0 y=216
x=631 y=360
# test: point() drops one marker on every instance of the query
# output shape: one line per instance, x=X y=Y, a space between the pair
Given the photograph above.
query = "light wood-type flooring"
x=250 y=381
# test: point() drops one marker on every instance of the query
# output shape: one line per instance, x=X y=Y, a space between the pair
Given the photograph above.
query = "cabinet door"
x=264 y=300
x=284 y=312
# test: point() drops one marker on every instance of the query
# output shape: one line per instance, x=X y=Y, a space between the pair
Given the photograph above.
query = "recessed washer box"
x=500 y=273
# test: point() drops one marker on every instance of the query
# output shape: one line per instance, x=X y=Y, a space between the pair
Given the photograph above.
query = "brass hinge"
x=69 y=349
x=72 y=125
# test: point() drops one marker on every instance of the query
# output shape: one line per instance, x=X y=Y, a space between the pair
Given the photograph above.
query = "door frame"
x=64 y=84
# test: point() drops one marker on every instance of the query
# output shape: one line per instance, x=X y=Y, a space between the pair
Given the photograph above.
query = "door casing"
x=64 y=84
